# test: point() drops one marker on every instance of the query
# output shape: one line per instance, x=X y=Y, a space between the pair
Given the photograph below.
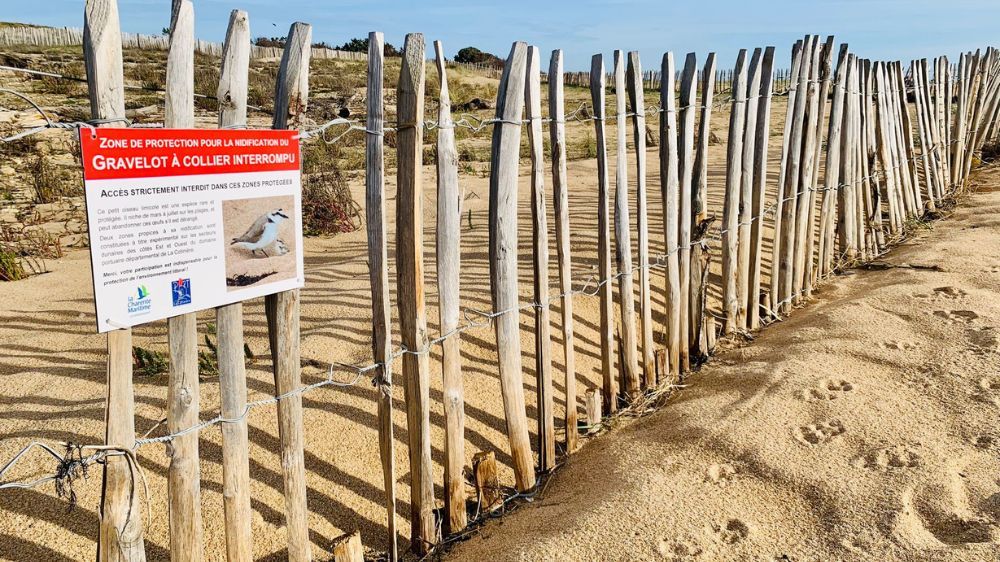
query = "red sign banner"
x=147 y=153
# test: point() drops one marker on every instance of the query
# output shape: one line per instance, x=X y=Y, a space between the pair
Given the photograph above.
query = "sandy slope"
x=863 y=428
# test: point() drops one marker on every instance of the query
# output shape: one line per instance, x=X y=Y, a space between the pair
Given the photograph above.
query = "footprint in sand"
x=983 y=340
x=720 y=474
x=950 y=292
x=819 y=433
x=965 y=316
x=891 y=458
x=989 y=383
x=990 y=387
x=984 y=442
x=732 y=532
x=679 y=550
x=945 y=513
x=827 y=389
x=899 y=345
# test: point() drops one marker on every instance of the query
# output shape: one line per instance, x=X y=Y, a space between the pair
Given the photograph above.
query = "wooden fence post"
x=449 y=255
x=762 y=131
x=885 y=150
x=808 y=274
x=981 y=95
x=870 y=228
x=906 y=123
x=597 y=78
x=183 y=404
x=282 y=309
x=831 y=179
x=378 y=274
x=922 y=130
x=410 y=290
x=638 y=108
x=782 y=192
x=846 y=216
x=699 y=213
x=792 y=178
x=746 y=217
x=560 y=197
x=669 y=187
x=232 y=95
x=899 y=143
x=503 y=259
x=958 y=134
x=942 y=101
x=863 y=184
x=540 y=255
x=623 y=239
x=686 y=165
x=120 y=521
x=806 y=190
x=934 y=134
x=731 y=210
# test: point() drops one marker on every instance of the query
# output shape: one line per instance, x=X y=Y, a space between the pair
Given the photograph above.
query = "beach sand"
x=862 y=428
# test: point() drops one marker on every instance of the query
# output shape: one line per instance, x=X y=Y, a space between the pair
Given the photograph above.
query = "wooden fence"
x=882 y=171
x=67 y=36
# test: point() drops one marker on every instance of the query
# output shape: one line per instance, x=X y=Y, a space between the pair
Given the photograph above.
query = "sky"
x=877 y=29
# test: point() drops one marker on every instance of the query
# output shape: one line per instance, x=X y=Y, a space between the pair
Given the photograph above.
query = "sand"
x=52 y=370
x=862 y=428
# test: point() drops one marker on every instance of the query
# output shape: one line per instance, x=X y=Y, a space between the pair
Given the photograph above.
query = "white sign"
x=181 y=220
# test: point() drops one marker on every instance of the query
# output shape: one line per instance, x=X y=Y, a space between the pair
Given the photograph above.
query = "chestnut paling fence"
x=881 y=172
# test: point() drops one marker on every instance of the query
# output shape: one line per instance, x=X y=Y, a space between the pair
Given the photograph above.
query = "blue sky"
x=881 y=29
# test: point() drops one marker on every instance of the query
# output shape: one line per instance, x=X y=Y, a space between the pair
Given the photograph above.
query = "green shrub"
x=11 y=268
x=148 y=362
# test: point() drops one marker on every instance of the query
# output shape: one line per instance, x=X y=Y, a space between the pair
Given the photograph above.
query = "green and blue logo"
x=140 y=304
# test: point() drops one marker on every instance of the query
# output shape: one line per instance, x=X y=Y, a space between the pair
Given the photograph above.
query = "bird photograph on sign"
x=260 y=244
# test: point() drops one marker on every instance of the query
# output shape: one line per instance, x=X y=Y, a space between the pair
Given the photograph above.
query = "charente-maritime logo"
x=141 y=303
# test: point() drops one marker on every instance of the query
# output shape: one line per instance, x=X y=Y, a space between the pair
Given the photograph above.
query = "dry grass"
x=24 y=251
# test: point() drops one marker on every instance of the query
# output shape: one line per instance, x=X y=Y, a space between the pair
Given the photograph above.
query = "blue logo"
x=181 y=290
x=141 y=303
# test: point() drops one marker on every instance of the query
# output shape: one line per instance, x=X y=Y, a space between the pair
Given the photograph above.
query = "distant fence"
x=885 y=165
x=60 y=36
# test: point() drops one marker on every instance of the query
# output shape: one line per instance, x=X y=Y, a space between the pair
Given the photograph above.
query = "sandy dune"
x=862 y=428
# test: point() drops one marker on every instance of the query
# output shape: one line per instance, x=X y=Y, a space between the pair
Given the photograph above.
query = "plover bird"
x=261 y=234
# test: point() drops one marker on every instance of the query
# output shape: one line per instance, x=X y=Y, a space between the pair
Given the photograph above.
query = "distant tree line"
x=356 y=45
x=475 y=56
x=360 y=45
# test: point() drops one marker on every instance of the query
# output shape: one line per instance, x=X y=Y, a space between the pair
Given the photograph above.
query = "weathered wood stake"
x=540 y=236
x=183 y=403
x=763 y=134
x=378 y=275
x=623 y=239
x=232 y=95
x=410 y=291
x=503 y=258
x=282 y=310
x=638 y=109
x=603 y=235
x=560 y=197
x=731 y=209
x=670 y=184
x=120 y=516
